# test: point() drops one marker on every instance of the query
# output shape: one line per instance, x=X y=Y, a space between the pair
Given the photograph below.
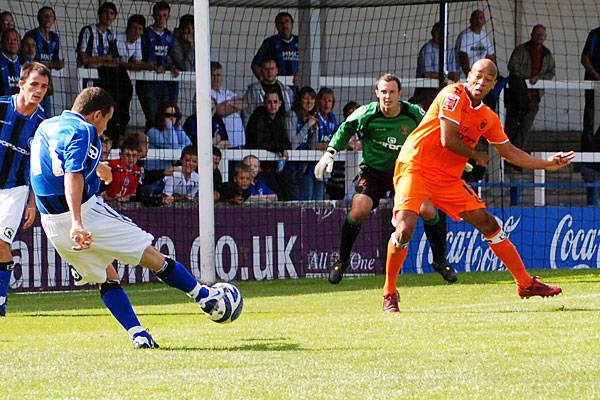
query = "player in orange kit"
x=430 y=165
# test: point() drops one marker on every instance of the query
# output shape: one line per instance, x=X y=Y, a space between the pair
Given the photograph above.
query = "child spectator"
x=166 y=133
x=259 y=190
x=126 y=173
x=106 y=148
x=237 y=192
x=183 y=185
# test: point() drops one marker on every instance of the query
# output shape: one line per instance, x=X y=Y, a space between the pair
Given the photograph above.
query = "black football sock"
x=436 y=230
x=350 y=231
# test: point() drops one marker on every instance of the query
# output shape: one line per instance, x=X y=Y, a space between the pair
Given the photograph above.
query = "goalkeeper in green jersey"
x=382 y=127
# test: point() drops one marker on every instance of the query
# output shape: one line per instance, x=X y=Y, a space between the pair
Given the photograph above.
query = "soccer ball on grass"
x=228 y=308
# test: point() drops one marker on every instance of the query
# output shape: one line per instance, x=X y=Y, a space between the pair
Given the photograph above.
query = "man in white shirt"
x=229 y=106
x=473 y=44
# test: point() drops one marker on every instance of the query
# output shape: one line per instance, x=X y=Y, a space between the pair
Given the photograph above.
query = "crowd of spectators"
x=270 y=115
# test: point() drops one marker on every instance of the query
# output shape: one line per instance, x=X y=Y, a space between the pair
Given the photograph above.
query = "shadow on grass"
x=150 y=294
x=264 y=345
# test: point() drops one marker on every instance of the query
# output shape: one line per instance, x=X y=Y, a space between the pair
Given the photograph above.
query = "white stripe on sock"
x=195 y=292
x=136 y=329
x=2 y=300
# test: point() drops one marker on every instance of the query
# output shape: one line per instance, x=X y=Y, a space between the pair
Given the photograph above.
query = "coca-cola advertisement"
x=265 y=243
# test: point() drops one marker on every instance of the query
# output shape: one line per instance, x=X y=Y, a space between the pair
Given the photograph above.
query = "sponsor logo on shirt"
x=93 y=152
x=450 y=102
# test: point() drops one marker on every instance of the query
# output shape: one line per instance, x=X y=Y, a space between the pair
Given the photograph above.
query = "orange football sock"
x=506 y=251
x=393 y=264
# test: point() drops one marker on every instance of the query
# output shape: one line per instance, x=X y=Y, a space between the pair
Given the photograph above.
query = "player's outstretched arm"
x=74 y=193
x=518 y=157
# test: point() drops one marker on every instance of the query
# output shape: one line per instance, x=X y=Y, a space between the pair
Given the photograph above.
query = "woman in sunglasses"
x=166 y=133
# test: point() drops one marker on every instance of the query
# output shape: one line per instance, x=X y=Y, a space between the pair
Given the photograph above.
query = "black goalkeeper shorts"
x=374 y=183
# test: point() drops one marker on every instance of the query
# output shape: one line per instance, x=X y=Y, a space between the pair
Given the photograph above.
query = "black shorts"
x=374 y=183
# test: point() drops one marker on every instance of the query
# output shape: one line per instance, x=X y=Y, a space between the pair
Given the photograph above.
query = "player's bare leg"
x=360 y=210
x=405 y=222
x=504 y=249
x=174 y=274
x=434 y=222
x=6 y=268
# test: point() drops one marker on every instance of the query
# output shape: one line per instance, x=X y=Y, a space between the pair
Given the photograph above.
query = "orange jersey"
x=423 y=147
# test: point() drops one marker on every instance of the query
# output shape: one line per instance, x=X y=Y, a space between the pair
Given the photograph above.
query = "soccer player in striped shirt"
x=20 y=115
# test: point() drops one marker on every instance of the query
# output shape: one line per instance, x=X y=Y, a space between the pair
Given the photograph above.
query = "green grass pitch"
x=307 y=339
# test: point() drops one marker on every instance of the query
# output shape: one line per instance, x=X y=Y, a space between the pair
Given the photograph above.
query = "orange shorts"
x=452 y=196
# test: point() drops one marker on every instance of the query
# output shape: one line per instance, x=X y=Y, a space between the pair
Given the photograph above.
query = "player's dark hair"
x=93 y=99
x=41 y=11
x=129 y=143
x=214 y=65
x=389 y=78
x=189 y=151
x=136 y=19
x=160 y=6
x=40 y=68
x=283 y=14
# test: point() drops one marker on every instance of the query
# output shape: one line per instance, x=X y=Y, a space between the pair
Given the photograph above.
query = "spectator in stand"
x=166 y=133
x=302 y=130
x=229 y=106
x=7 y=21
x=10 y=63
x=106 y=148
x=259 y=190
x=327 y=124
x=283 y=48
x=97 y=48
x=126 y=174
x=219 y=132
x=590 y=59
x=255 y=94
x=129 y=45
x=157 y=46
x=236 y=192
x=150 y=192
x=183 y=185
x=336 y=184
x=473 y=44
x=28 y=51
x=217 y=177
x=428 y=66
x=266 y=126
x=529 y=61
x=183 y=44
x=267 y=130
x=590 y=139
x=47 y=42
